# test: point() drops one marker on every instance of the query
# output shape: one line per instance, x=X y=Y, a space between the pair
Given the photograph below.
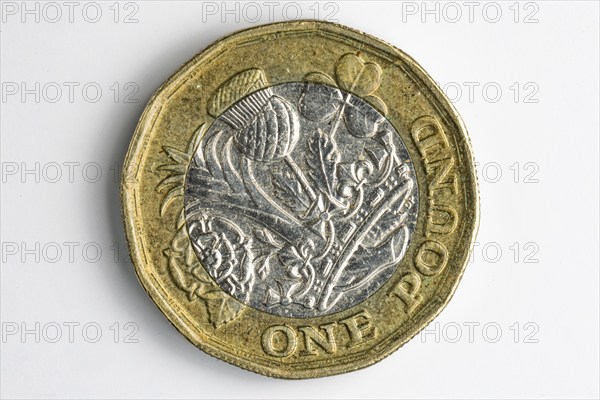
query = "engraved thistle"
x=300 y=198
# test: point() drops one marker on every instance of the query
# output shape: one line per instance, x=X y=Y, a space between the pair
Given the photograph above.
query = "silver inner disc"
x=301 y=200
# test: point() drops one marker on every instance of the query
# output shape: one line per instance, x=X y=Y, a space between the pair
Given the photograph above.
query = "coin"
x=300 y=199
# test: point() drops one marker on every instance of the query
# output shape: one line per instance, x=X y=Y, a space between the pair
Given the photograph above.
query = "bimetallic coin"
x=299 y=199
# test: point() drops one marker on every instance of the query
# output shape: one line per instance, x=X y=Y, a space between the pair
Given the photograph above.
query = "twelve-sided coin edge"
x=132 y=165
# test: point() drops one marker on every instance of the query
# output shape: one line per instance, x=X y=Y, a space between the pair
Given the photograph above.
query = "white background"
x=533 y=308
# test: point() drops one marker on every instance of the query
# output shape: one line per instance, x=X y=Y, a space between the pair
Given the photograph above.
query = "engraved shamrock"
x=355 y=76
